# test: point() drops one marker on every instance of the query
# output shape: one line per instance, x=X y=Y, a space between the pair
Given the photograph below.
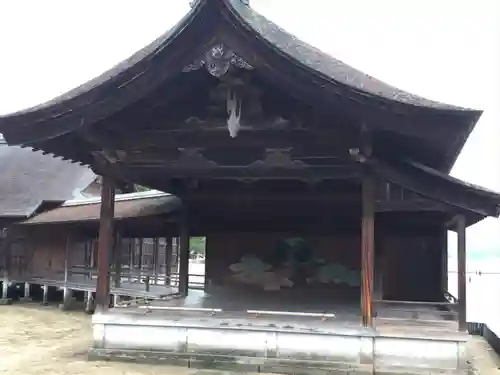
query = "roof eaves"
x=24 y=214
x=324 y=65
x=118 y=198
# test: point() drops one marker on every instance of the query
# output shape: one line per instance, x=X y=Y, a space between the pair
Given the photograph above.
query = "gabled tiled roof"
x=27 y=179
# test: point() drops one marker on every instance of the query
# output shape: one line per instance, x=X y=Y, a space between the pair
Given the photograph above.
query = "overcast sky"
x=447 y=50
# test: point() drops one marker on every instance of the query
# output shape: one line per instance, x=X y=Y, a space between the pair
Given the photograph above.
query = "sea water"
x=483 y=288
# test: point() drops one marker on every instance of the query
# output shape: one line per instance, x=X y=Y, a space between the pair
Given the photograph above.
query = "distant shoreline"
x=478 y=255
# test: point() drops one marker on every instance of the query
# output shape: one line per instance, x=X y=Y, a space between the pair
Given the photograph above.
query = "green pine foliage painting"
x=291 y=262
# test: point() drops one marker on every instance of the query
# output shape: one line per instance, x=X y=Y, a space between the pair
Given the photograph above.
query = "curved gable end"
x=323 y=65
x=438 y=130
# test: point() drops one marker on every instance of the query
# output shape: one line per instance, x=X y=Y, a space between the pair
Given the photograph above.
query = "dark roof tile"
x=324 y=63
x=29 y=178
x=143 y=205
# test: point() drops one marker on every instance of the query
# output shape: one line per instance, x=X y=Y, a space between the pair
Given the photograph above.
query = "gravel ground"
x=44 y=340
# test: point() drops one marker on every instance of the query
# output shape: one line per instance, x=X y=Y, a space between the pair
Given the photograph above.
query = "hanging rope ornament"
x=233 y=105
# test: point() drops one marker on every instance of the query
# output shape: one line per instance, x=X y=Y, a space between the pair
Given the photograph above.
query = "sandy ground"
x=484 y=359
x=44 y=340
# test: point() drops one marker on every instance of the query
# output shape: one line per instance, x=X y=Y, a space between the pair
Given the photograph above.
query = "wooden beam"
x=204 y=225
x=462 y=273
x=256 y=197
x=227 y=156
x=269 y=138
x=411 y=206
x=105 y=243
x=435 y=186
x=307 y=173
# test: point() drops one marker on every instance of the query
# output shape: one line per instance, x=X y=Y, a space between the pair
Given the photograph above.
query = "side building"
x=32 y=182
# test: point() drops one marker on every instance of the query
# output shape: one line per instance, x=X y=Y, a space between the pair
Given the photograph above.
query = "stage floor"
x=245 y=310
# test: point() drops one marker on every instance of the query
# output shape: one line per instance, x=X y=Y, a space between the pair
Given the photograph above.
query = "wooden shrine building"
x=311 y=181
x=31 y=183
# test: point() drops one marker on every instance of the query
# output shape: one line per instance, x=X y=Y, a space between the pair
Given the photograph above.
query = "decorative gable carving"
x=192 y=158
x=218 y=60
x=278 y=158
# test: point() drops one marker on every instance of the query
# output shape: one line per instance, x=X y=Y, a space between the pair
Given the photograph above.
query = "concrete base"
x=25 y=299
x=240 y=342
x=68 y=304
x=5 y=301
x=89 y=303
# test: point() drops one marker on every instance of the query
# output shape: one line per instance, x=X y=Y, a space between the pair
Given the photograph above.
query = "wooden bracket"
x=454 y=223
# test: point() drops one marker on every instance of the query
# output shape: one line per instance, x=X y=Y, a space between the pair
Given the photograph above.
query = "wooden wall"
x=408 y=265
x=44 y=250
x=277 y=261
x=48 y=251
x=412 y=267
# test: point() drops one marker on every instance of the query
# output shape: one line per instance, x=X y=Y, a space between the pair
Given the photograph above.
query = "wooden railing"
x=147 y=277
x=416 y=310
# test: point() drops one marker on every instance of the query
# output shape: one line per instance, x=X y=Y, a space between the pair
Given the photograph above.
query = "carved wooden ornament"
x=192 y=158
x=278 y=158
x=218 y=60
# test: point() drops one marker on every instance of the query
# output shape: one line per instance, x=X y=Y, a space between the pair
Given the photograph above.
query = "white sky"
x=446 y=50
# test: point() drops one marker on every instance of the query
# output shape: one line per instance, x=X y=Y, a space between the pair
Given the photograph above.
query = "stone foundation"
x=265 y=345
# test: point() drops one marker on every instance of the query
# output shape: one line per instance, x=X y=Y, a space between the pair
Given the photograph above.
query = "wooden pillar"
x=378 y=270
x=131 y=259
x=140 y=257
x=175 y=253
x=105 y=243
x=156 y=259
x=93 y=257
x=444 y=260
x=462 y=273
x=368 y=247
x=184 y=254
x=67 y=244
x=367 y=230
x=117 y=257
x=208 y=265
x=67 y=293
x=168 y=259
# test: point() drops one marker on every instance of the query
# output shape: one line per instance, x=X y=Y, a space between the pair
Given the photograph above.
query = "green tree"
x=197 y=245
